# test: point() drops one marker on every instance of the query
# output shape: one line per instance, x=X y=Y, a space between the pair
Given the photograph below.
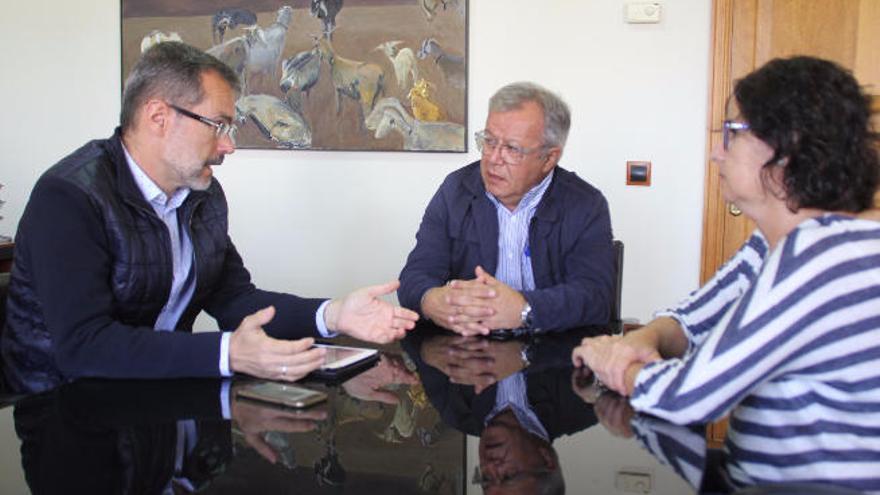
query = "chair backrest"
x=4 y=287
x=617 y=292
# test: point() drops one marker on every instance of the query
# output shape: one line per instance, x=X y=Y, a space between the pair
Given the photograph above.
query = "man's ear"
x=551 y=158
x=155 y=116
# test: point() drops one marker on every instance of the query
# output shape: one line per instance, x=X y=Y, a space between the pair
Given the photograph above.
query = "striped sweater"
x=789 y=341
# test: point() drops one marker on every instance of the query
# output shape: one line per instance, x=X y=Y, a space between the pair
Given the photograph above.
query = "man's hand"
x=476 y=306
x=473 y=361
x=254 y=419
x=466 y=300
x=616 y=360
x=369 y=385
x=362 y=315
x=253 y=352
x=507 y=305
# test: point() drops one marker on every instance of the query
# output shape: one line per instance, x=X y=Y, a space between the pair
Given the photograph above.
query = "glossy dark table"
x=408 y=425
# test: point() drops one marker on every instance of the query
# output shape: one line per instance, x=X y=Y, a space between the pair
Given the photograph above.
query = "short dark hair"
x=173 y=71
x=817 y=119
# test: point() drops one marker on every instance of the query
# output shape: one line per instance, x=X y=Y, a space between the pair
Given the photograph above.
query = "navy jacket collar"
x=126 y=184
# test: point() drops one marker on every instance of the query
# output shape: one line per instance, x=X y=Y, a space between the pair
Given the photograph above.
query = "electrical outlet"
x=631 y=481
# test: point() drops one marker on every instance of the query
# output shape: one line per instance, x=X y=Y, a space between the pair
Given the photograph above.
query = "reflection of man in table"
x=125 y=241
x=513 y=240
x=123 y=437
x=517 y=458
x=515 y=395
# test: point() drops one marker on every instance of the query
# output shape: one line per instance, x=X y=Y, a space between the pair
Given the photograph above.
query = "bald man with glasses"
x=125 y=241
x=513 y=243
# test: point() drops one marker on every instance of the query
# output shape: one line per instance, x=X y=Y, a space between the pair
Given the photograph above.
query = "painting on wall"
x=382 y=75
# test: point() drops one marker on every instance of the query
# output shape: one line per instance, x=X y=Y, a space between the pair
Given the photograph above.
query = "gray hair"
x=172 y=71
x=557 y=116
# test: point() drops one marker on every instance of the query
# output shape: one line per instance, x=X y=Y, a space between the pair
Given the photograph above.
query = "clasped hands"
x=616 y=360
x=473 y=361
x=476 y=306
x=362 y=314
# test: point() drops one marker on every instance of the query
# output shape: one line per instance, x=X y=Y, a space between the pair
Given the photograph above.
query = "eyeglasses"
x=510 y=154
x=730 y=128
x=220 y=128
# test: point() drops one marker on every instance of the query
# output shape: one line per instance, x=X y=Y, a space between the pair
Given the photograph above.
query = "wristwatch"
x=526 y=318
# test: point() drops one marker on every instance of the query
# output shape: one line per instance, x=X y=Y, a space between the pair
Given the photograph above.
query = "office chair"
x=6 y=396
x=617 y=288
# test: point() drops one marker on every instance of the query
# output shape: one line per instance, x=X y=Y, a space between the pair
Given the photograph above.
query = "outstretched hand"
x=363 y=315
x=371 y=384
x=254 y=420
x=253 y=352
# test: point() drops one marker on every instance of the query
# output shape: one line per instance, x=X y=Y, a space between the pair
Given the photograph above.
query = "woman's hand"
x=616 y=360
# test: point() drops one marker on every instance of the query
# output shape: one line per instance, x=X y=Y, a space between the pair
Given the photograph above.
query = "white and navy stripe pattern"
x=790 y=341
x=514 y=259
x=680 y=447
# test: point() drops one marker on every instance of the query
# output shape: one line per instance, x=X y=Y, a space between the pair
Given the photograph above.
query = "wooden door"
x=748 y=33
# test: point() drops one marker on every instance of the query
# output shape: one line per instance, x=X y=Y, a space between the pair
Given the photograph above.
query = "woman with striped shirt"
x=786 y=336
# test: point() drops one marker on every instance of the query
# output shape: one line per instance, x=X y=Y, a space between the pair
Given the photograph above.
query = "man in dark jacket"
x=513 y=241
x=125 y=241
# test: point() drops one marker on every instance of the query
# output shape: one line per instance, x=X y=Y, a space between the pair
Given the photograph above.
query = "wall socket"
x=633 y=481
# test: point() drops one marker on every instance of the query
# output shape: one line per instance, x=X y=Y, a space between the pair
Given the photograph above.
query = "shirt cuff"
x=224 y=354
x=321 y=324
x=224 y=399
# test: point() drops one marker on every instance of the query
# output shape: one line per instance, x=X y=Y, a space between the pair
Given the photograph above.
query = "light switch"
x=642 y=12
x=638 y=173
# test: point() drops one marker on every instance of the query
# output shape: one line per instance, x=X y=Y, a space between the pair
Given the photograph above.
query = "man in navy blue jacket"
x=514 y=241
x=125 y=241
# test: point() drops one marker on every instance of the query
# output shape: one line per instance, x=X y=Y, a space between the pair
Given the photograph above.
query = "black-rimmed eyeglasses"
x=510 y=153
x=220 y=128
x=730 y=128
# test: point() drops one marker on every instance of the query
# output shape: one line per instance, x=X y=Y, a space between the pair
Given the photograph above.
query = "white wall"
x=321 y=223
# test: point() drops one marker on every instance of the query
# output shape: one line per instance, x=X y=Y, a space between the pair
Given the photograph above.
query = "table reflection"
x=516 y=395
x=184 y=436
x=123 y=437
x=684 y=449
